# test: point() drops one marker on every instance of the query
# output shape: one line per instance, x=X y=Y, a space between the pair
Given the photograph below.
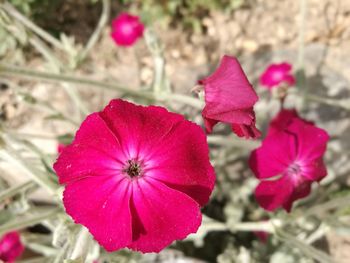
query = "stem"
x=41 y=249
x=40 y=178
x=332 y=204
x=32 y=220
x=83 y=244
x=12 y=191
x=58 y=67
x=29 y=24
x=300 y=74
x=106 y=9
x=266 y=226
x=305 y=248
x=31 y=74
x=35 y=103
x=160 y=83
x=35 y=260
x=345 y=104
x=232 y=142
x=59 y=256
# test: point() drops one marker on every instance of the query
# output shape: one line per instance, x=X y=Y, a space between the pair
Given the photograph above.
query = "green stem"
x=266 y=226
x=232 y=142
x=106 y=9
x=58 y=68
x=12 y=191
x=35 y=260
x=332 y=204
x=30 y=25
x=9 y=154
x=160 y=83
x=31 y=74
x=300 y=74
x=344 y=103
x=83 y=244
x=38 y=104
x=308 y=250
x=29 y=221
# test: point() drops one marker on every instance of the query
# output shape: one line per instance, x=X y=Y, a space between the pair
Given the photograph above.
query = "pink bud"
x=126 y=29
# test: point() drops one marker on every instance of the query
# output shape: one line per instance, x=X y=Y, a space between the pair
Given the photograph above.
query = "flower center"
x=133 y=168
x=294 y=169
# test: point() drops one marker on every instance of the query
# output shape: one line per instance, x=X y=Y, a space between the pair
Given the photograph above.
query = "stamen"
x=133 y=168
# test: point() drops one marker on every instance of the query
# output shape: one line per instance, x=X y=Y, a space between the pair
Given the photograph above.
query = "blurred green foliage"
x=182 y=12
x=34 y=7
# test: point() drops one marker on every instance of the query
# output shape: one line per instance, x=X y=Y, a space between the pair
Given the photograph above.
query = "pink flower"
x=230 y=98
x=136 y=176
x=289 y=160
x=276 y=74
x=60 y=147
x=262 y=236
x=282 y=120
x=11 y=247
x=126 y=29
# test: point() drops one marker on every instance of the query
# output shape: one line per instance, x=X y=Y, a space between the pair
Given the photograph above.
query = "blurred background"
x=38 y=113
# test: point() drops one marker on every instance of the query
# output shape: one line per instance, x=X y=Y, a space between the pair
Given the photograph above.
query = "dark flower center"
x=133 y=168
x=294 y=169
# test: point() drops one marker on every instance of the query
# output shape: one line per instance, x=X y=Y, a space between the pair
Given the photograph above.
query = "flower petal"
x=314 y=170
x=275 y=74
x=209 y=124
x=228 y=89
x=174 y=151
x=94 y=151
x=139 y=128
x=281 y=192
x=126 y=29
x=165 y=215
x=282 y=120
x=312 y=141
x=185 y=167
x=102 y=205
x=274 y=194
x=274 y=156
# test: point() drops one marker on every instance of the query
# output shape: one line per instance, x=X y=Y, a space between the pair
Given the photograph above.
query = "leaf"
x=66 y=138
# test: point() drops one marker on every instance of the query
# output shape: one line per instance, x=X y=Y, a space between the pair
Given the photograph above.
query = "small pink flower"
x=136 y=176
x=126 y=29
x=230 y=98
x=289 y=160
x=11 y=247
x=262 y=236
x=276 y=74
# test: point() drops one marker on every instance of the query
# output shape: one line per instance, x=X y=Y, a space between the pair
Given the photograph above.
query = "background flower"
x=277 y=74
x=126 y=29
x=11 y=247
x=229 y=98
x=288 y=161
x=136 y=176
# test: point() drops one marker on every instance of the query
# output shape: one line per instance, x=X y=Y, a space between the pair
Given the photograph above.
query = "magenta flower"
x=277 y=74
x=11 y=247
x=126 y=29
x=230 y=98
x=262 y=236
x=60 y=147
x=289 y=160
x=136 y=176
